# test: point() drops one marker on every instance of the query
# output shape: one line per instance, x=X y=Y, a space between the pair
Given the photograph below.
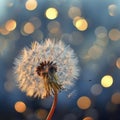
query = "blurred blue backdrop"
x=91 y=28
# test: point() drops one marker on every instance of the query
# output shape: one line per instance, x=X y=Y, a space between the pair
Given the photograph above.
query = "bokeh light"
x=51 y=13
x=107 y=81
x=101 y=32
x=10 y=84
x=41 y=114
x=74 y=12
x=114 y=34
x=36 y=22
x=95 y=52
x=14 y=35
x=102 y=42
x=31 y=5
x=88 y=118
x=20 y=106
x=112 y=9
x=10 y=25
x=84 y=102
x=53 y=27
x=10 y=4
x=115 y=99
x=96 y=89
x=80 y=23
x=38 y=35
x=28 y=28
x=118 y=63
x=3 y=31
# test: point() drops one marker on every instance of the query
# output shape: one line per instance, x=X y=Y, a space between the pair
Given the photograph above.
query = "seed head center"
x=46 y=68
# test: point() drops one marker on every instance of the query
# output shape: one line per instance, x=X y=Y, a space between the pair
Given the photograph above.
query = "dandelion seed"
x=71 y=94
x=46 y=69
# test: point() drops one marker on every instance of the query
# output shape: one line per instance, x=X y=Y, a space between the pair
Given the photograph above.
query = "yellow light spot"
x=114 y=34
x=88 y=118
x=28 y=28
x=80 y=23
x=31 y=5
x=118 y=63
x=10 y=25
x=73 y=12
x=107 y=81
x=84 y=102
x=116 y=98
x=51 y=13
x=20 y=106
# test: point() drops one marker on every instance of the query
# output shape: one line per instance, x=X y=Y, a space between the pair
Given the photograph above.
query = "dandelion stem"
x=53 y=107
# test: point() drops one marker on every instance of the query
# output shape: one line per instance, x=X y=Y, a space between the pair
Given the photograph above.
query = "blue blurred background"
x=92 y=28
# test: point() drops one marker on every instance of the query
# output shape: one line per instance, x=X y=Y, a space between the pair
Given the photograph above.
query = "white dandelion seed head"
x=30 y=58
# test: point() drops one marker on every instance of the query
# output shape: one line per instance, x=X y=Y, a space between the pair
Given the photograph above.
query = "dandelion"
x=45 y=69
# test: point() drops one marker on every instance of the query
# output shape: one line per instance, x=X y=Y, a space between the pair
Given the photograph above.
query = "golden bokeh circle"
x=31 y=5
x=84 y=102
x=20 y=106
x=114 y=34
x=51 y=13
x=80 y=23
x=107 y=81
x=10 y=25
x=28 y=28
